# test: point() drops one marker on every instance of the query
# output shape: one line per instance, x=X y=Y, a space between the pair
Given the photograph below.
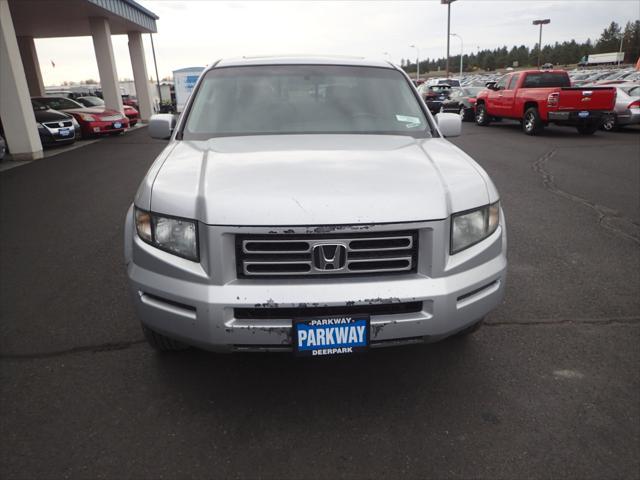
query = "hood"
x=315 y=180
x=50 y=116
x=94 y=111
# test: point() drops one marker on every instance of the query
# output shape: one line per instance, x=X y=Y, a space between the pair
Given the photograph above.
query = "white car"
x=311 y=205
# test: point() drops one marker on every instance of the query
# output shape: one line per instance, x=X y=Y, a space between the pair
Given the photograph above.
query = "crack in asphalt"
x=605 y=214
x=110 y=347
x=103 y=347
x=568 y=321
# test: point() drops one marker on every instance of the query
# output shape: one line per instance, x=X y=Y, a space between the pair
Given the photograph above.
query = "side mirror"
x=161 y=125
x=449 y=124
x=491 y=85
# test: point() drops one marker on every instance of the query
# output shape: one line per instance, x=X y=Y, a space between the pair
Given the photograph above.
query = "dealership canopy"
x=22 y=21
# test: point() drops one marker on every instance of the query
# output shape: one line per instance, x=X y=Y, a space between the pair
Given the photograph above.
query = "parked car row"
x=539 y=97
x=130 y=100
x=93 y=120
x=603 y=76
x=61 y=120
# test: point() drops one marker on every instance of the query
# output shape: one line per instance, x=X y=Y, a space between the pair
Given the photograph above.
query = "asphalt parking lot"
x=549 y=388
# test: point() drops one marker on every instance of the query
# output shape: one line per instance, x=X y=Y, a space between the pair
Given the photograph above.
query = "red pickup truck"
x=538 y=98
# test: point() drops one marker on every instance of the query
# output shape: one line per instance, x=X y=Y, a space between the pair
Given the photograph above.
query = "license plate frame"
x=583 y=114
x=64 y=132
x=349 y=334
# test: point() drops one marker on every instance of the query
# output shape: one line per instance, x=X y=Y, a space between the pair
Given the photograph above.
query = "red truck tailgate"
x=595 y=98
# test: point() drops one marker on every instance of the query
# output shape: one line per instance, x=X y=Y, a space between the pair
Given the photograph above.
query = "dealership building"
x=22 y=21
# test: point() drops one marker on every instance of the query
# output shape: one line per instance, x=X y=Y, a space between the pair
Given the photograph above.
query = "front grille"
x=111 y=118
x=336 y=254
x=62 y=124
x=306 y=312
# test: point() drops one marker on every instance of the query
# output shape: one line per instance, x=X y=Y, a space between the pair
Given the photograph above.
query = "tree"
x=631 y=43
x=609 y=39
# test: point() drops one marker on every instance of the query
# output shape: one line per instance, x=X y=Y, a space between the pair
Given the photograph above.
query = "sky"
x=198 y=32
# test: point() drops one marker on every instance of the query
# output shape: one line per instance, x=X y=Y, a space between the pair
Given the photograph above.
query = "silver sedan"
x=627 y=108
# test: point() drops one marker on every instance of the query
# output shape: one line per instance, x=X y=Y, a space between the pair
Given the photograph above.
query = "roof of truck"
x=303 y=60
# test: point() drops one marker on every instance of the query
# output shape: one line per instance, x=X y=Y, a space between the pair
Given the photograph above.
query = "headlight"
x=75 y=123
x=87 y=118
x=41 y=127
x=468 y=228
x=174 y=235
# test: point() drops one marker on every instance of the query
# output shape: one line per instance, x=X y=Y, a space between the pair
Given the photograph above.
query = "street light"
x=417 y=62
x=448 y=4
x=540 y=22
x=620 y=52
x=461 y=52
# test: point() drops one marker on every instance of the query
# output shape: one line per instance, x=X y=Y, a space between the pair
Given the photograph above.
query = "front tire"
x=482 y=118
x=160 y=342
x=532 y=123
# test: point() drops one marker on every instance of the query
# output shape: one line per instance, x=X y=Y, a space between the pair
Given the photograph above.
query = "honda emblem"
x=329 y=257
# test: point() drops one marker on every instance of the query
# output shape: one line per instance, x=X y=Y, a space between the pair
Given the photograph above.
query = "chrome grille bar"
x=278 y=255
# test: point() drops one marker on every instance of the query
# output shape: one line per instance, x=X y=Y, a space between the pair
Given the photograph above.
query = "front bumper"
x=196 y=302
x=104 y=127
x=133 y=120
x=49 y=137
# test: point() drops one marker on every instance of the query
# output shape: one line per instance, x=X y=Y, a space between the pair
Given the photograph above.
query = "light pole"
x=540 y=22
x=448 y=4
x=620 y=52
x=417 y=62
x=461 y=52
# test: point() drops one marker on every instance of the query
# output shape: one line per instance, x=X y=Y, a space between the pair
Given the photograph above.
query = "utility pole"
x=540 y=22
x=155 y=64
x=620 y=52
x=461 y=53
x=448 y=3
x=417 y=62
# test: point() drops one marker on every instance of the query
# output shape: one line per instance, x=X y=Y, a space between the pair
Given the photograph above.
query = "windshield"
x=91 y=101
x=290 y=99
x=59 y=103
x=37 y=106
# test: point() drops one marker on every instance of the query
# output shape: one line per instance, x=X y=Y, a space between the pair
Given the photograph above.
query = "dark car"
x=462 y=101
x=54 y=128
x=434 y=95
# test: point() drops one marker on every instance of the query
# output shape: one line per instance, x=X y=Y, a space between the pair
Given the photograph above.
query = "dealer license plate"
x=117 y=125
x=583 y=114
x=64 y=132
x=329 y=336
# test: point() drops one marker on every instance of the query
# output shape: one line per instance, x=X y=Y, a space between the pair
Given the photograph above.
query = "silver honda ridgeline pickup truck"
x=311 y=205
